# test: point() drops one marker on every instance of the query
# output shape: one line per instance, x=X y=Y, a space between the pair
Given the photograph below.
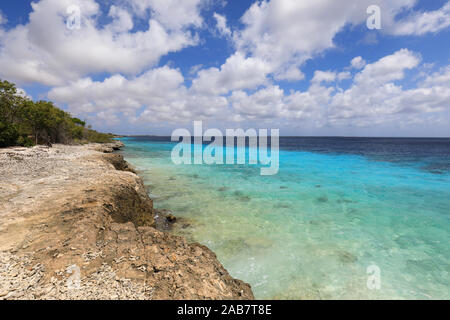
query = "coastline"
x=81 y=210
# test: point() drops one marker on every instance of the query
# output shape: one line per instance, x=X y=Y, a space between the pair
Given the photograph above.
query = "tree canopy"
x=24 y=122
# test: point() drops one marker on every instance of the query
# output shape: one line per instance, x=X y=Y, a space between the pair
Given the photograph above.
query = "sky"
x=309 y=68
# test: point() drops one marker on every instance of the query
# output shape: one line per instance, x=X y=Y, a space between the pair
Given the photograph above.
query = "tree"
x=8 y=134
x=9 y=107
x=21 y=118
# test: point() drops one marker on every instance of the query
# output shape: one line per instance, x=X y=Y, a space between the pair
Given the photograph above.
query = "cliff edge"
x=76 y=223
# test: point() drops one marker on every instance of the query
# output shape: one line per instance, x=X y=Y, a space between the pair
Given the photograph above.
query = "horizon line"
x=302 y=136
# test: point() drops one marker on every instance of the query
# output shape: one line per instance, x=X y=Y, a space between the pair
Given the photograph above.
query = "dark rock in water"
x=241 y=196
x=233 y=246
x=163 y=212
x=195 y=176
x=222 y=189
x=352 y=212
x=164 y=219
x=318 y=186
x=283 y=187
x=346 y=201
x=172 y=178
x=347 y=257
x=322 y=199
x=282 y=206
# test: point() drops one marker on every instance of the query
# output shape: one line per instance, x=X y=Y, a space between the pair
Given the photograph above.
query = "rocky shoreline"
x=76 y=223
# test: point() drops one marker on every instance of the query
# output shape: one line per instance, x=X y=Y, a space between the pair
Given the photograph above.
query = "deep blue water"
x=336 y=207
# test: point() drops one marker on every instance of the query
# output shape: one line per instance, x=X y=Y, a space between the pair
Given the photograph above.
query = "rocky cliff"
x=76 y=223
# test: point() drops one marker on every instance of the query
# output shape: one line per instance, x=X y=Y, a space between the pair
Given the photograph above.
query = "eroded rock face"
x=80 y=210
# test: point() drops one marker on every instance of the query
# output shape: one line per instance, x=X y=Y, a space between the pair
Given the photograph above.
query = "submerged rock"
x=282 y=206
x=346 y=257
x=241 y=196
x=322 y=199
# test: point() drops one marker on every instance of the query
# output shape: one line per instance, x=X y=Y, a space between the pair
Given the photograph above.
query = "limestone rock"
x=76 y=223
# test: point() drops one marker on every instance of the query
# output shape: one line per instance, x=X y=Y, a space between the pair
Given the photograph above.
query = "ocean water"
x=336 y=207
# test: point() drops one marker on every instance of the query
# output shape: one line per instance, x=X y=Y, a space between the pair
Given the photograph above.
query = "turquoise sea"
x=336 y=207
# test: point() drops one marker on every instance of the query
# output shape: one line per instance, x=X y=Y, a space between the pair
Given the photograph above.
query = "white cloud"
x=122 y=19
x=344 y=75
x=238 y=72
x=265 y=103
x=441 y=78
x=277 y=38
x=157 y=95
x=324 y=76
x=292 y=73
x=45 y=51
x=387 y=69
x=221 y=25
x=420 y=23
x=278 y=34
x=118 y=94
x=172 y=14
x=194 y=69
x=291 y=32
x=358 y=63
x=373 y=97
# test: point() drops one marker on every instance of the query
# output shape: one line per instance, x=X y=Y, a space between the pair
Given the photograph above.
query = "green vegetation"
x=26 y=123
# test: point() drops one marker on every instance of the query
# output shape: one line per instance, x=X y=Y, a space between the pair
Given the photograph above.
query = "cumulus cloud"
x=357 y=63
x=324 y=76
x=440 y=78
x=387 y=69
x=373 y=97
x=420 y=23
x=238 y=72
x=278 y=33
x=344 y=75
x=265 y=103
x=47 y=52
x=221 y=25
x=157 y=95
x=276 y=39
x=172 y=14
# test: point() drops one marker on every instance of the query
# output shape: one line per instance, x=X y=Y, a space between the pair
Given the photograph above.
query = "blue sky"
x=150 y=66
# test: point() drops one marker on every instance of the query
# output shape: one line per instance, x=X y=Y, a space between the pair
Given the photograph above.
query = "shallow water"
x=336 y=207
